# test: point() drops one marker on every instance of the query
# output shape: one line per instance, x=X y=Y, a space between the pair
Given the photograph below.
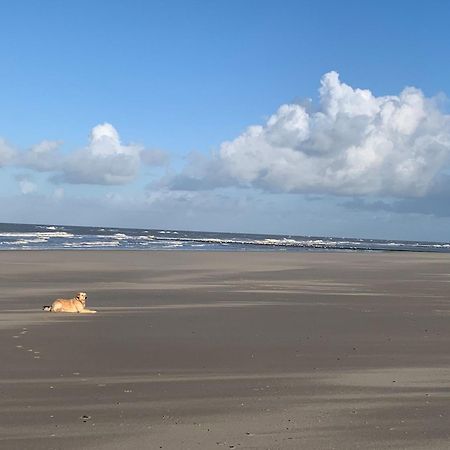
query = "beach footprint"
x=20 y=334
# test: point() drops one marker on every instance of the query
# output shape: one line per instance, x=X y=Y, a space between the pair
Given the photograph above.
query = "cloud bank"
x=43 y=157
x=7 y=153
x=104 y=161
x=353 y=143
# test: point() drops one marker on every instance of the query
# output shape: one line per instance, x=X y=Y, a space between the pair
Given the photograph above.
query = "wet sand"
x=193 y=350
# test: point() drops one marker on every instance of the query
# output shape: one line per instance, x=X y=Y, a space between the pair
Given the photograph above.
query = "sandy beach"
x=193 y=350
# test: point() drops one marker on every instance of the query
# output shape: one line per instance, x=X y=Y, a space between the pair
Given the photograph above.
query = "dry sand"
x=225 y=350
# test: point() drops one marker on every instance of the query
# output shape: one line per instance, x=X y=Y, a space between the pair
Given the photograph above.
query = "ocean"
x=63 y=237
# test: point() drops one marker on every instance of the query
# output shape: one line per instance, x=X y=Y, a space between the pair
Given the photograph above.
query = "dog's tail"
x=46 y=308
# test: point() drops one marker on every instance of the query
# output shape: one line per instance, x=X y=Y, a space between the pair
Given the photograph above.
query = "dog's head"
x=82 y=297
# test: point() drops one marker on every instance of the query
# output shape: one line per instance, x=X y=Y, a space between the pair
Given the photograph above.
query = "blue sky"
x=179 y=83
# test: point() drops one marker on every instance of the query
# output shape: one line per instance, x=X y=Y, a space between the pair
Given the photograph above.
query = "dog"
x=73 y=305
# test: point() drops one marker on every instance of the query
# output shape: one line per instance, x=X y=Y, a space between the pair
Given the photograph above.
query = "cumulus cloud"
x=201 y=173
x=7 y=153
x=352 y=143
x=104 y=161
x=43 y=157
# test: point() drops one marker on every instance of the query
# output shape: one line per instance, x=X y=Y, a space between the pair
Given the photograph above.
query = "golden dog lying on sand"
x=73 y=305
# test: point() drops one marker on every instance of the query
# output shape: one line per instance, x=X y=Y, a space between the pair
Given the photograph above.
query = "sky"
x=295 y=117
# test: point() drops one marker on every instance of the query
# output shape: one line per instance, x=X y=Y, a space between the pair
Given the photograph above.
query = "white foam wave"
x=85 y=244
x=120 y=236
x=174 y=245
x=56 y=237
x=38 y=234
x=283 y=242
x=29 y=241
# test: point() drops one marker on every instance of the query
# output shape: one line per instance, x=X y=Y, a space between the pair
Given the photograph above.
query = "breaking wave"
x=55 y=237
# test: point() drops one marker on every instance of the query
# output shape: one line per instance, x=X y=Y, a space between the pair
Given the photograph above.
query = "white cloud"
x=7 y=153
x=26 y=186
x=43 y=157
x=354 y=144
x=104 y=161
